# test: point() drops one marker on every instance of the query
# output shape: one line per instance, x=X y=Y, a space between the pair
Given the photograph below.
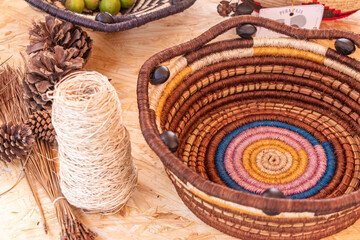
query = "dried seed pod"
x=243 y=9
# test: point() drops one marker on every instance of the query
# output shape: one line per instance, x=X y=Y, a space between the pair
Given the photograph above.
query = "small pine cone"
x=41 y=126
x=45 y=70
x=15 y=141
x=53 y=32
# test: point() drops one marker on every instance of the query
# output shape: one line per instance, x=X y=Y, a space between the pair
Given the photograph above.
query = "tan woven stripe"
x=139 y=4
x=153 y=8
x=291 y=43
x=342 y=68
x=221 y=56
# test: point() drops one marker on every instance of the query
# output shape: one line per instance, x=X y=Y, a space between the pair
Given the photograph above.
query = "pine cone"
x=44 y=71
x=41 y=126
x=15 y=141
x=53 y=32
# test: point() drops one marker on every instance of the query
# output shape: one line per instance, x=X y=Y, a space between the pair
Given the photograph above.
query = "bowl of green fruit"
x=111 y=15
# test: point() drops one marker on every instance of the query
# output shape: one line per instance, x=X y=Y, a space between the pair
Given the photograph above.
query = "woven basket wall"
x=143 y=12
x=333 y=8
x=254 y=114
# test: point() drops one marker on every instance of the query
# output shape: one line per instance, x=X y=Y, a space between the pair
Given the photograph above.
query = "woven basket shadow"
x=251 y=114
x=143 y=12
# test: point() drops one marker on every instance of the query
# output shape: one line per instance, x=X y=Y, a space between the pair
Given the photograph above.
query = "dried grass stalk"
x=11 y=95
x=13 y=110
x=40 y=166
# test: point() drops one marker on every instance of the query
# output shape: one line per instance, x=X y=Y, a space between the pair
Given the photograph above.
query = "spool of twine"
x=97 y=173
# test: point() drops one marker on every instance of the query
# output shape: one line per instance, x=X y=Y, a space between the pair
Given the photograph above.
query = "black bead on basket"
x=143 y=11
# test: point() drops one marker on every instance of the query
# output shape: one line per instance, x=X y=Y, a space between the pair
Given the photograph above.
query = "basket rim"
x=123 y=22
x=184 y=173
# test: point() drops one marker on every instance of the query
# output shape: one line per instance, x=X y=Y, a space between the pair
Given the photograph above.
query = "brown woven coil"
x=143 y=12
x=232 y=102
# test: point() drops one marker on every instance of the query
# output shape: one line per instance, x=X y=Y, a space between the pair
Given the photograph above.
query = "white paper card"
x=305 y=16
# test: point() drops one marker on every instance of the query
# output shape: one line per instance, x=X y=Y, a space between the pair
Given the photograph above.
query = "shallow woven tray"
x=334 y=9
x=143 y=12
x=291 y=99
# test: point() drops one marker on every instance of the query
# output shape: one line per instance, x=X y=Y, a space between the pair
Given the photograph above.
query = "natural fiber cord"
x=96 y=169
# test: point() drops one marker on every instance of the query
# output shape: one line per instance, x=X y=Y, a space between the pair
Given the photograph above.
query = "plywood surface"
x=154 y=211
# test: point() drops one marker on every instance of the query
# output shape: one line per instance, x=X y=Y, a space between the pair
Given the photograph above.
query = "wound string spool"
x=97 y=173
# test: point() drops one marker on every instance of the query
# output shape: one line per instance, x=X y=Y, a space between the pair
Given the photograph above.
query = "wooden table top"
x=154 y=211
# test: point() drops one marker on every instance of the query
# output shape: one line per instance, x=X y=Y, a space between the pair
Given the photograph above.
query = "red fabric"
x=334 y=13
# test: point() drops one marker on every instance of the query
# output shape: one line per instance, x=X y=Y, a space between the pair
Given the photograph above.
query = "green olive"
x=91 y=4
x=127 y=3
x=110 y=6
x=75 y=5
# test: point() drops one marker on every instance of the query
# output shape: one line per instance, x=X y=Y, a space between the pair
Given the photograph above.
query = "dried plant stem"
x=19 y=178
x=12 y=109
x=3 y=62
x=11 y=96
x=31 y=184
x=41 y=166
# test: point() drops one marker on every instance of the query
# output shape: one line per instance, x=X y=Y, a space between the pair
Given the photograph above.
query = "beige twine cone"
x=97 y=173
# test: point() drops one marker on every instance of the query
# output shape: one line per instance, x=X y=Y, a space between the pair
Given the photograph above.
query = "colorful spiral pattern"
x=266 y=154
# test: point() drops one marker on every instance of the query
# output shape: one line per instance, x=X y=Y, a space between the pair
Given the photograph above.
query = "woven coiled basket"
x=251 y=114
x=144 y=11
